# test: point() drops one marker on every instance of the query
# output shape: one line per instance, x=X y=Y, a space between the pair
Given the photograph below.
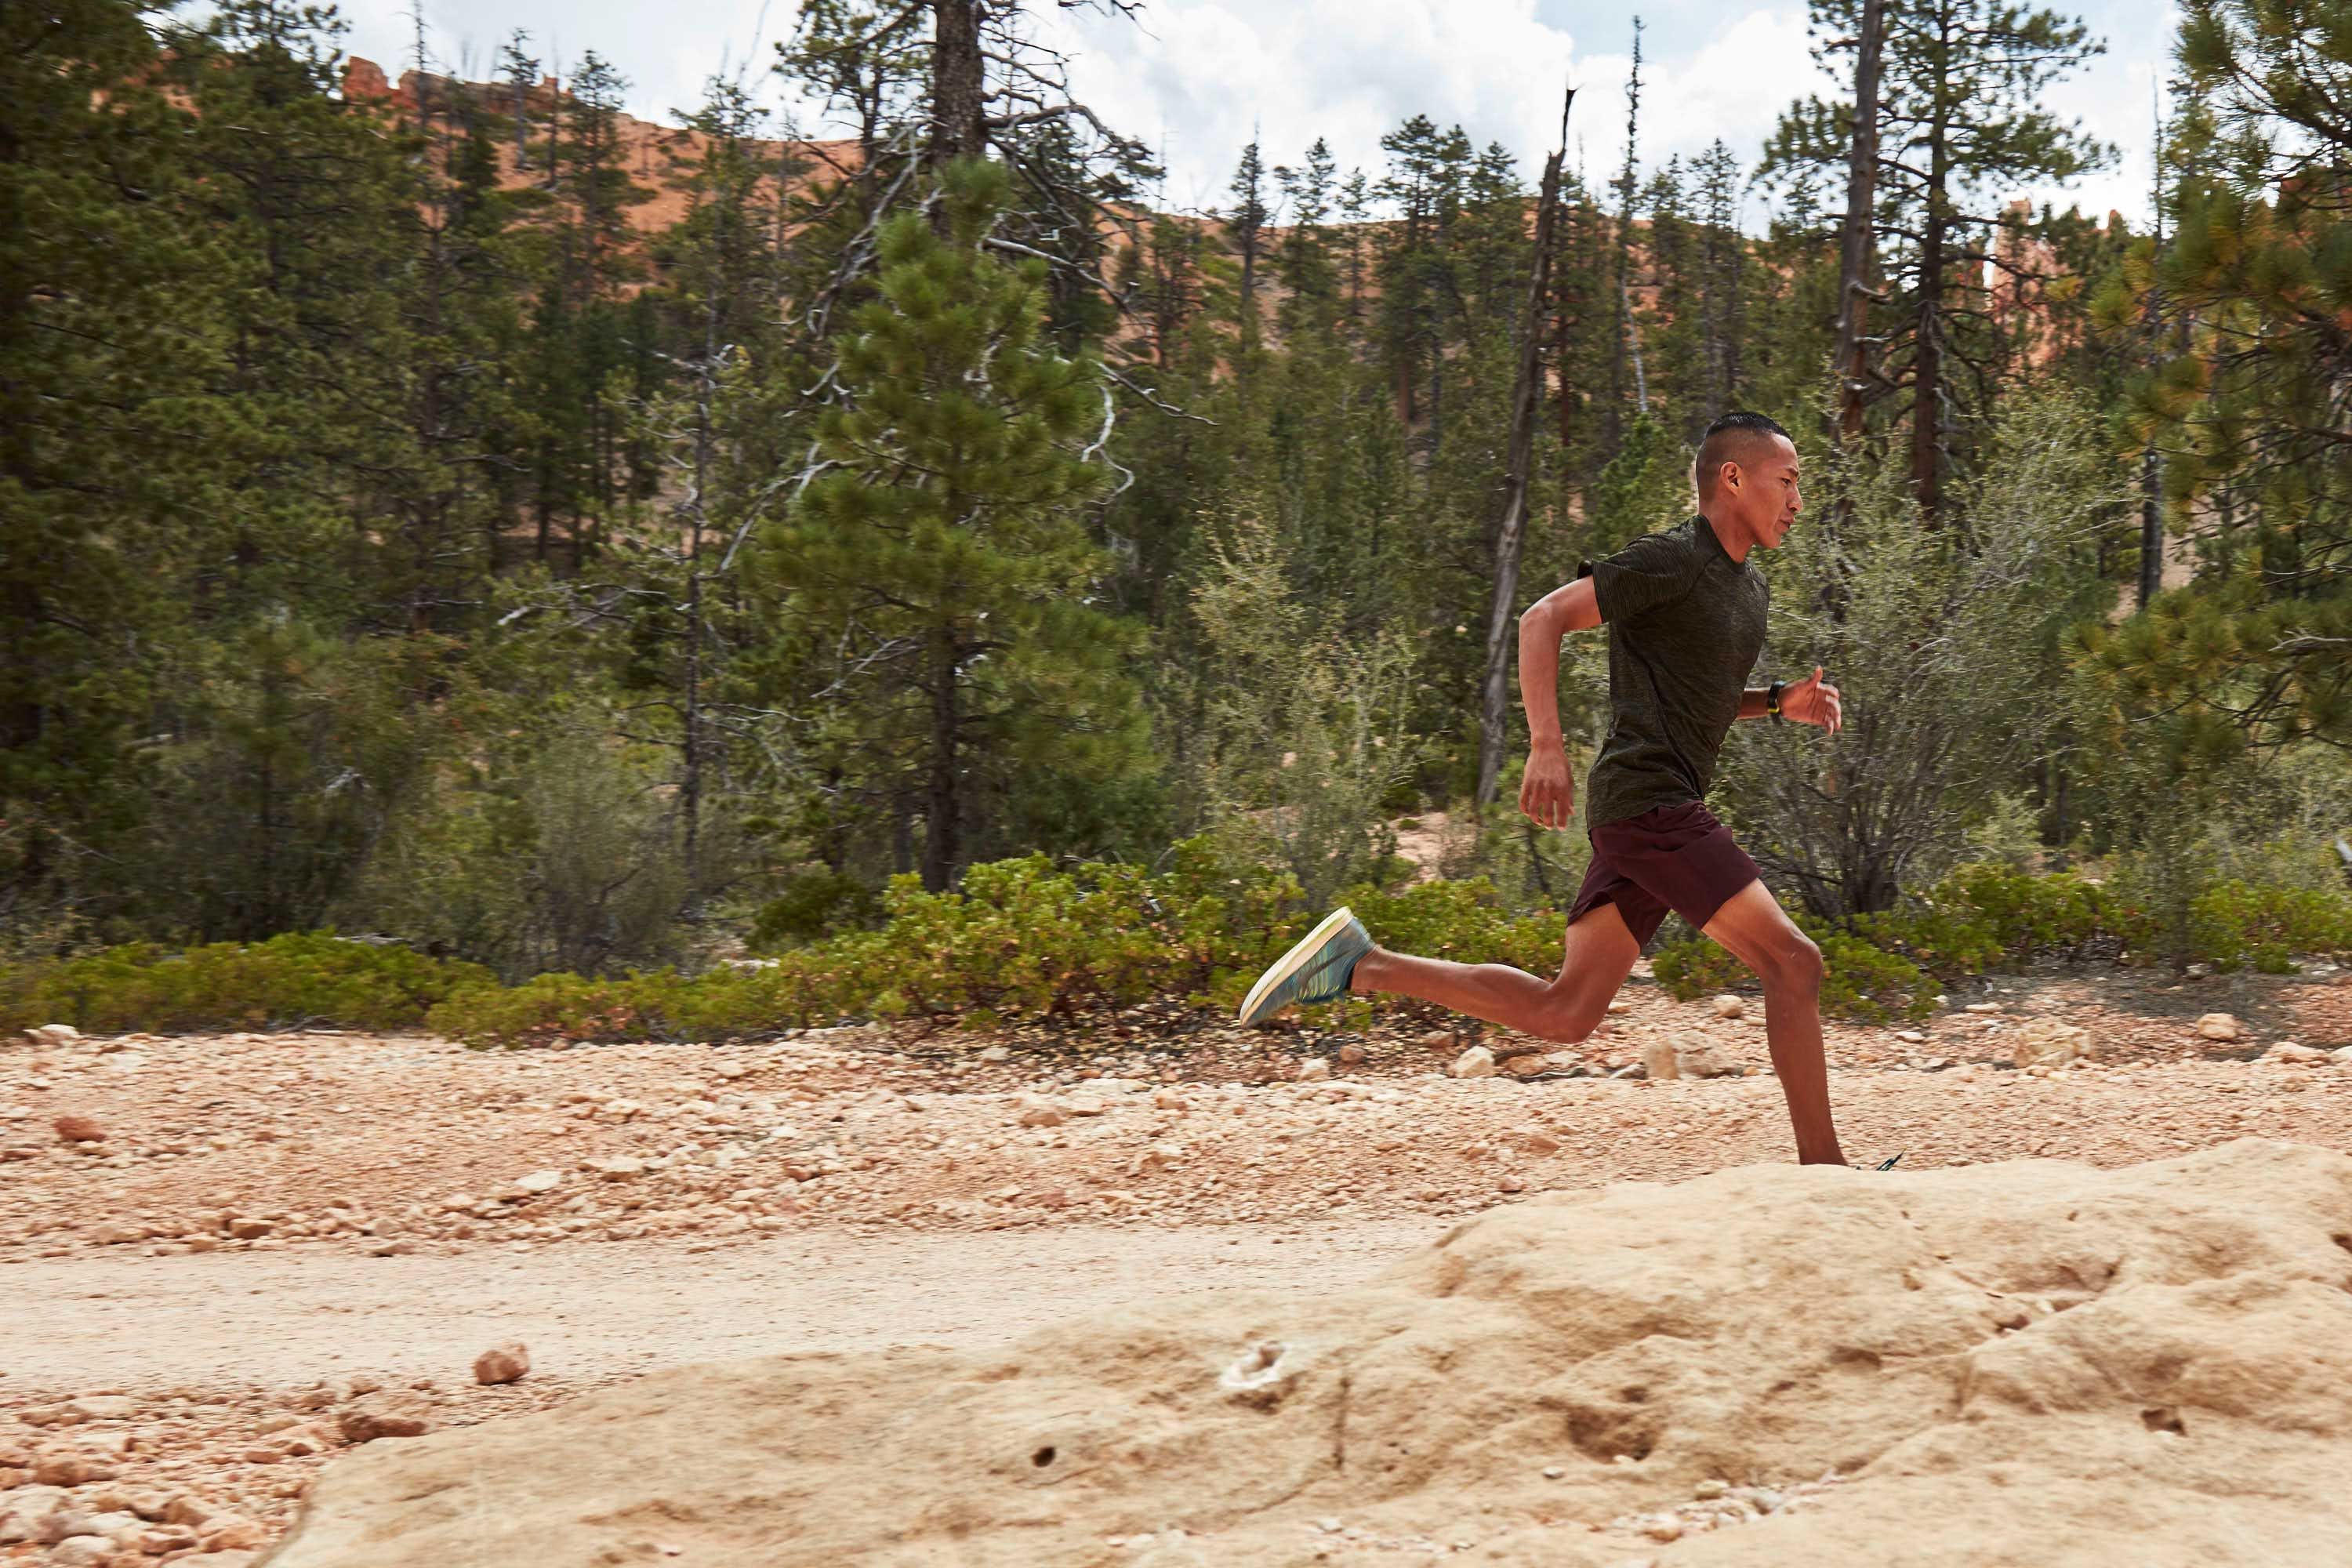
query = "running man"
x=1686 y=611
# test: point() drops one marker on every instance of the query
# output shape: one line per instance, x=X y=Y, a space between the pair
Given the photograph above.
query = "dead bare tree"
x=1525 y=391
x=1854 y=290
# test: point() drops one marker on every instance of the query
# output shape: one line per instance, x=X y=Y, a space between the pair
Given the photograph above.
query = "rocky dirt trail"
x=590 y=1315
x=225 y=1258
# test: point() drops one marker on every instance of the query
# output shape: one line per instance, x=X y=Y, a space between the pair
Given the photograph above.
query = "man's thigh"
x=1598 y=955
x=1754 y=928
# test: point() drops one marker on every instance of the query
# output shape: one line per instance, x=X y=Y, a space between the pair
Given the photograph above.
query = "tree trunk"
x=942 y=835
x=1634 y=349
x=690 y=786
x=1927 y=357
x=1526 y=393
x=1612 y=424
x=958 y=86
x=2151 y=527
x=1852 y=359
x=1926 y=376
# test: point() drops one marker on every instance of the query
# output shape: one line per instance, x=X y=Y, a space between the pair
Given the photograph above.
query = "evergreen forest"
x=456 y=515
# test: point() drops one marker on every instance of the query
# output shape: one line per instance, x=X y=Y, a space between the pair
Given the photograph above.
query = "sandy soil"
x=272 y=1235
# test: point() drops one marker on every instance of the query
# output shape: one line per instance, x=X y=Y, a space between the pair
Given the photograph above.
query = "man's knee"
x=1793 y=963
x=1569 y=1018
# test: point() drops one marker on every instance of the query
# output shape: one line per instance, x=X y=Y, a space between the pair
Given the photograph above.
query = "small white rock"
x=2218 y=1026
x=1475 y=1062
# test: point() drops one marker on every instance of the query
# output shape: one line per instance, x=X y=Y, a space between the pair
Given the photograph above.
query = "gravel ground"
x=227 y=1255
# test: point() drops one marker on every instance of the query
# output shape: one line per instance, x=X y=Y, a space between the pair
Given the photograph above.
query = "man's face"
x=1767 y=499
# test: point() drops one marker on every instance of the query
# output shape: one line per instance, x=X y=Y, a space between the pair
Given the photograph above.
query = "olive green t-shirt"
x=1685 y=625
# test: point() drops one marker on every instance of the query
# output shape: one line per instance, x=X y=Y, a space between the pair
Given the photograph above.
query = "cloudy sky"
x=1194 y=77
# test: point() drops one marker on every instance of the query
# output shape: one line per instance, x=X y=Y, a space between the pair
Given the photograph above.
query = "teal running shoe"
x=1316 y=969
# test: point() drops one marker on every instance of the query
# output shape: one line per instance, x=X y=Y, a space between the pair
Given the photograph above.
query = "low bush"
x=2234 y=925
x=1860 y=979
x=313 y=977
x=1987 y=917
x=1026 y=938
x=1020 y=939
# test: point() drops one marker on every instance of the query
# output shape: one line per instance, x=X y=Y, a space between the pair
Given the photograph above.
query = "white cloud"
x=1732 y=87
x=1194 y=77
x=2114 y=99
x=1198 y=77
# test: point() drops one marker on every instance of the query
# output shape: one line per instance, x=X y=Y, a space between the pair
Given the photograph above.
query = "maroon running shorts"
x=1675 y=857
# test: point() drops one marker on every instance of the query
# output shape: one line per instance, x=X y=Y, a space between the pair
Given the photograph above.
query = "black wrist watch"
x=1773 y=700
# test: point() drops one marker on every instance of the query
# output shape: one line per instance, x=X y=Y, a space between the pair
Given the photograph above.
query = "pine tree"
x=1307 y=275
x=1961 y=120
x=2245 y=304
x=1244 y=231
x=1721 y=264
x=109 y=456
x=945 y=551
x=520 y=70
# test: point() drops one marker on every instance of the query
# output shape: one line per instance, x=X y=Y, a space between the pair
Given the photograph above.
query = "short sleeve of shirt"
x=1650 y=572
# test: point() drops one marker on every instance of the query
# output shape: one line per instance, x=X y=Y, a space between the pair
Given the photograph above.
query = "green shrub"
x=1991 y=916
x=1019 y=939
x=314 y=977
x=2234 y=925
x=1869 y=985
x=2026 y=914
x=1860 y=979
x=813 y=905
x=1026 y=938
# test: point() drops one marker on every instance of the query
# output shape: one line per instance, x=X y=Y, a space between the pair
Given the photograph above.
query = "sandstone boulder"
x=2028 y=1363
x=1475 y=1062
x=2049 y=1042
x=502 y=1363
x=77 y=1130
x=1688 y=1054
x=2218 y=1026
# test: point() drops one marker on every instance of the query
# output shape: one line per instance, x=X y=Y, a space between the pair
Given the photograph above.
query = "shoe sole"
x=1291 y=963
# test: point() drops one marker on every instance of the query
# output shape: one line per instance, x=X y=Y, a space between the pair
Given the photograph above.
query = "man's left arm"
x=1811 y=700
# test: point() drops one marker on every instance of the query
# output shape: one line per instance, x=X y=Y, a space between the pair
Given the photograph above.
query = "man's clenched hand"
x=1547 y=791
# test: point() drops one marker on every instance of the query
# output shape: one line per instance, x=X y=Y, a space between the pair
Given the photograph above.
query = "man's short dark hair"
x=1726 y=437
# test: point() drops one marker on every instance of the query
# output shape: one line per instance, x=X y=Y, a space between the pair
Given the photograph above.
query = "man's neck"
x=1735 y=543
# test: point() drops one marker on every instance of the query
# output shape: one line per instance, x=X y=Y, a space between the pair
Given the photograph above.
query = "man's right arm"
x=1548 y=793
